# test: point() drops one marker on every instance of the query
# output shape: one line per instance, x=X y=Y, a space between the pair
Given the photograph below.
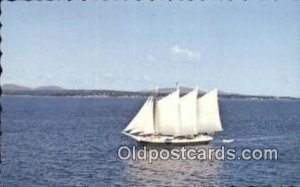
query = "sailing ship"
x=176 y=120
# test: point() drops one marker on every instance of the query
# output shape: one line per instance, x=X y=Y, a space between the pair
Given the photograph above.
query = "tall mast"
x=155 y=95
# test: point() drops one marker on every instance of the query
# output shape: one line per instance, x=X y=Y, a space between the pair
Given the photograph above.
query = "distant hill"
x=49 y=88
x=14 y=87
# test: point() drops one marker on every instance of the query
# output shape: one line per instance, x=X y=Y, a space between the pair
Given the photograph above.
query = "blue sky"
x=237 y=46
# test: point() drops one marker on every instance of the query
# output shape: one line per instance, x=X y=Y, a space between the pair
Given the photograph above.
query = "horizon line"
x=144 y=90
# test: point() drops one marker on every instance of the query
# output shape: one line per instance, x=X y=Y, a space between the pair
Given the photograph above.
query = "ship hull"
x=145 y=143
x=167 y=140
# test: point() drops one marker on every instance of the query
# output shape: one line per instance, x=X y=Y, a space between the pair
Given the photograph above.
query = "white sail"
x=167 y=114
x=208 y=117
x=188 y=113
x=143 y=121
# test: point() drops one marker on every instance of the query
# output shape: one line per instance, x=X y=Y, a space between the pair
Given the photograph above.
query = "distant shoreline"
x=254 y=98
x=56 y=91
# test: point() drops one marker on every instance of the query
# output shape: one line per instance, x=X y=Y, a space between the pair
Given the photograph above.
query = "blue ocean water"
x=73 y=142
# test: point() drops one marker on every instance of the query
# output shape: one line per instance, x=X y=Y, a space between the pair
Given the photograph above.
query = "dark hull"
x=144 y=143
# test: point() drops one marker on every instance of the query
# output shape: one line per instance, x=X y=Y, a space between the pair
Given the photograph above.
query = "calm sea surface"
x=74 y=142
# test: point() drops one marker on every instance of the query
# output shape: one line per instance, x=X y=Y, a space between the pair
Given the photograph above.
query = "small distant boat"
x=176 y=120
x=228 y=140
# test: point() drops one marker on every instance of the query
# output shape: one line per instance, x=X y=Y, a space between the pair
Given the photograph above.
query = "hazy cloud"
x=136 y=77
x=151 y=58
x=183 y=54
x=141 y=78
x=107 y=75
x=49 y=77
x=146 y=78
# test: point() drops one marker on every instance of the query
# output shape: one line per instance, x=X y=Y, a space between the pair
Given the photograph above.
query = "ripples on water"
x=73 y=141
